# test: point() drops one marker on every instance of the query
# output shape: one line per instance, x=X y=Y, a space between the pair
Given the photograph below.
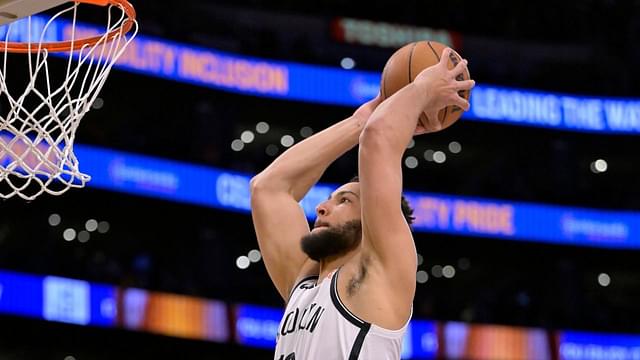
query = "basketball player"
x=349 y=283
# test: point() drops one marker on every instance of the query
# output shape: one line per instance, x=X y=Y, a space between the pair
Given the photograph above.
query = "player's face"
x=341 y=207
x=337 y=229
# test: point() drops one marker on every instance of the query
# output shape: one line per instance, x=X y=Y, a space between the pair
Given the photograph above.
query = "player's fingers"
x=461 y=102
x=444 y=58
x=465 y=84
x=460 y=68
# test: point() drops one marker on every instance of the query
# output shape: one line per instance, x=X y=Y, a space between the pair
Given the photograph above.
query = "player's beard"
x=332 y=241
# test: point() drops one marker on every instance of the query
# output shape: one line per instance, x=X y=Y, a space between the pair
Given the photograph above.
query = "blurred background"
x=528 y=221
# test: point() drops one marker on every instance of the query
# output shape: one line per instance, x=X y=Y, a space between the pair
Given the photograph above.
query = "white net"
x=44 y=95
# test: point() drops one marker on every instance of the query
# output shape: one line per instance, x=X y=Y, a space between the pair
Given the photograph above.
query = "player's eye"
x=344 y=199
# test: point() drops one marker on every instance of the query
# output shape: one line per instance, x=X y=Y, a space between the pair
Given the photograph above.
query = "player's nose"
x=322 y=209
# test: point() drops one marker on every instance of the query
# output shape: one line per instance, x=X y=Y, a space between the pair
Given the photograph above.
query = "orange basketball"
x=406 y=63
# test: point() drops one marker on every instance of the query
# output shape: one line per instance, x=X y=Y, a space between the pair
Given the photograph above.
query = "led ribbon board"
x=455 y=215
x=327 y=85
x=85 y=303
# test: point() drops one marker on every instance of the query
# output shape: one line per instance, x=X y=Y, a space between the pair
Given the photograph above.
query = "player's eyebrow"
x=343 y=192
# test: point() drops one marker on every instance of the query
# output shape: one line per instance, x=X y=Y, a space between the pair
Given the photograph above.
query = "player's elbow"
x=376 y=135
x=258 y=184
x=266 y=183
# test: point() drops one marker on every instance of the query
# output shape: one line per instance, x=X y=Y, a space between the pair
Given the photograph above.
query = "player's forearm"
x=301 y=166
x=394 y=122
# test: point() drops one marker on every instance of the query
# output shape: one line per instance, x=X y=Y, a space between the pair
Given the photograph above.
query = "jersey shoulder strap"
x=301 y=284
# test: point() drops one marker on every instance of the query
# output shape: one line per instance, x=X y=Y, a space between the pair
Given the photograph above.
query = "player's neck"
x=330 y=264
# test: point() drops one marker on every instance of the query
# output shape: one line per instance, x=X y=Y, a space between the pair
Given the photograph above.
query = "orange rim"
x=77 y=44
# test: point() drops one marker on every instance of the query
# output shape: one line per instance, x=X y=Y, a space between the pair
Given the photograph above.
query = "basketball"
x=408 y=61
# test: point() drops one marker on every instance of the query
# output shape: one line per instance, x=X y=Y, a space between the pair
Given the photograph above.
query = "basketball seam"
x=384 y=83
x=413 y=48
x=434 y=51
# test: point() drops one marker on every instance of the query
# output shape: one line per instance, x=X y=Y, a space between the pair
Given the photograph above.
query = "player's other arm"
x=278 y=219
x=387 y=237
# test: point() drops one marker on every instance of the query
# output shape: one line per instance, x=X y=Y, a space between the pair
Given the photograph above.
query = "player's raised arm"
x=386 y=235
x=279 y=221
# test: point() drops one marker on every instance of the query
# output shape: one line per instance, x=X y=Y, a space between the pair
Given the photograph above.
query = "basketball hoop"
x=39 y=116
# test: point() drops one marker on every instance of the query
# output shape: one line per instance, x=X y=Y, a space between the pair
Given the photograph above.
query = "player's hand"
x=366 y=109
x=441 y=89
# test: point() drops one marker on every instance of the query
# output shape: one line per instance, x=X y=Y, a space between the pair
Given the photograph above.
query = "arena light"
x=411 y=162
x=347 y=63
x=69 y=234
x=254 y=255
x=287 y=140
x=54 y=219
x=439 y=157
x=83 y=236
x=91 y=225
x=422 y=277
x=428 y=155
x=436 y=271
x=271 y=150
x=262 y=127
x=599 y=166
x=243 y=262
x=455 y=147
x=98 y=103
x=103 y=227
x=306 y=131
x=604 y=279
x=247 y=136
x=448 y=271
x=237 y=145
